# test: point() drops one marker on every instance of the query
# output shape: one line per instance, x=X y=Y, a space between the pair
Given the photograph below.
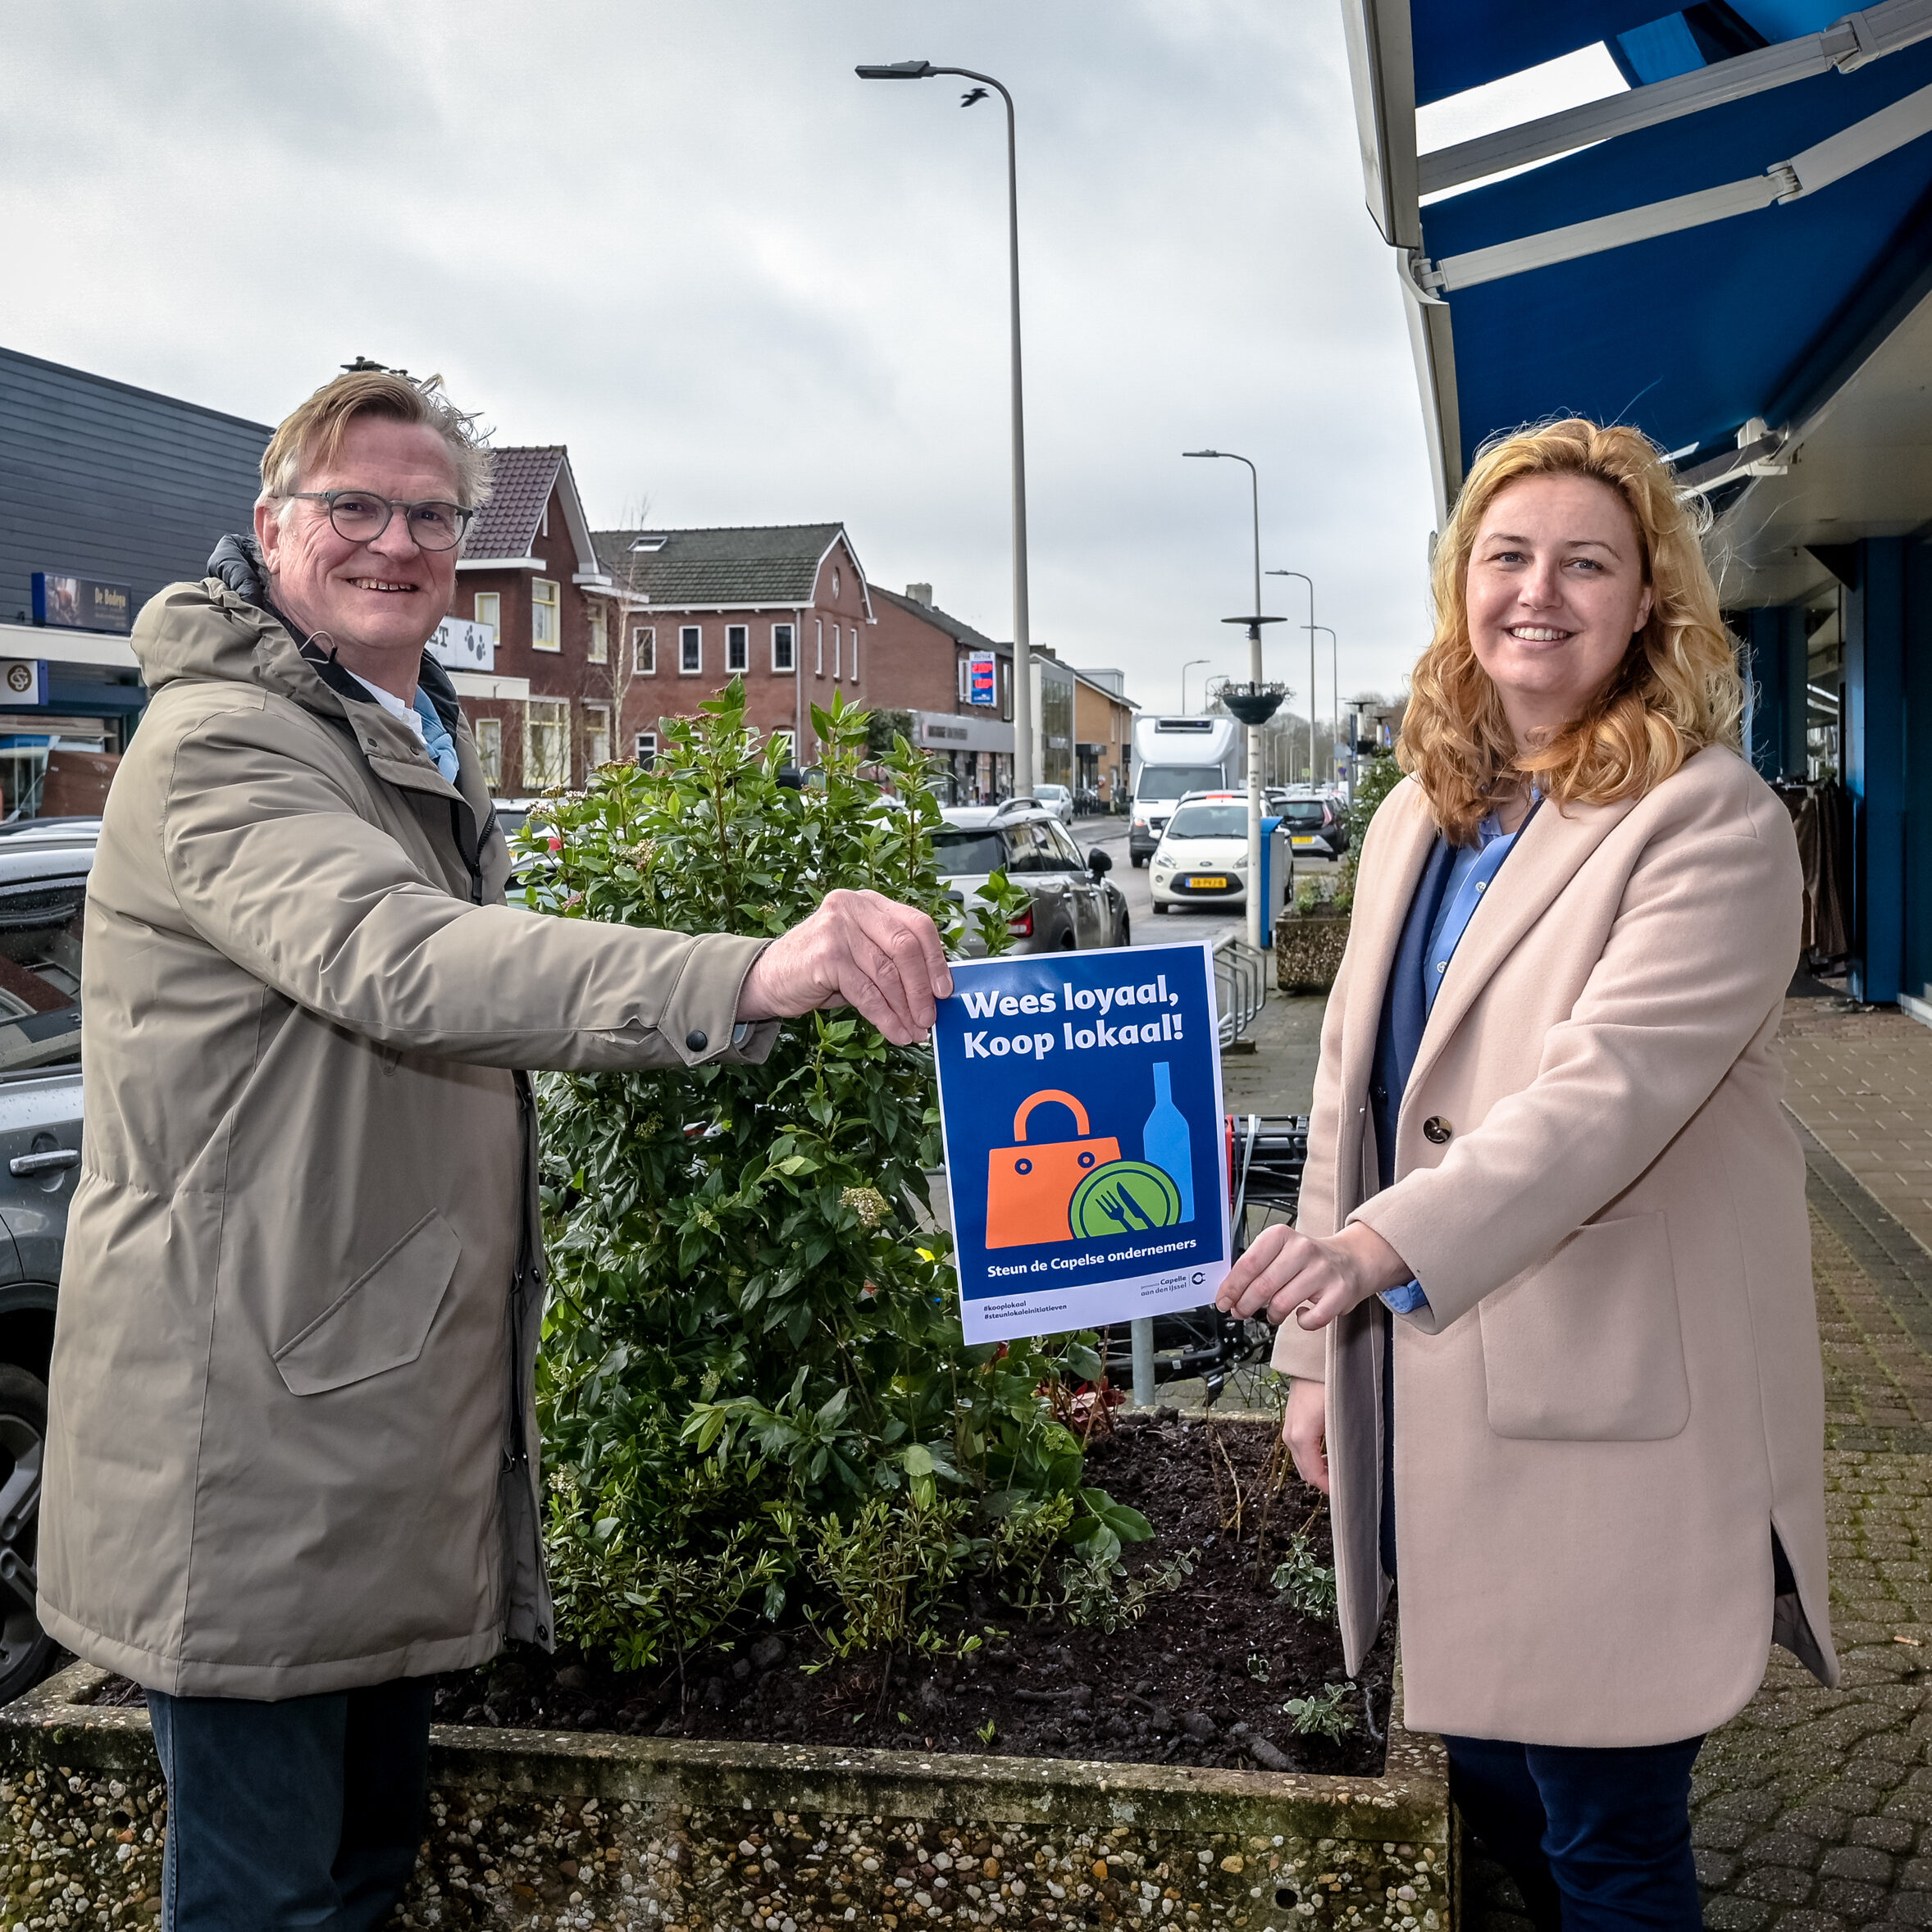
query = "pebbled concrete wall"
x=545 y=1829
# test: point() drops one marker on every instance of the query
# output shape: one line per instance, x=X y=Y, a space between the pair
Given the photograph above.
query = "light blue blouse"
x=1470 y=874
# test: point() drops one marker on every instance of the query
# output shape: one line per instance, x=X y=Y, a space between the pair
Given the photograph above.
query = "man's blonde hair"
x=313 y=434
x=1677 y=691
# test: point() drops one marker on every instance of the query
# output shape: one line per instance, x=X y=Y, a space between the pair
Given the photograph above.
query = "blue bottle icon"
x=1166 y=1142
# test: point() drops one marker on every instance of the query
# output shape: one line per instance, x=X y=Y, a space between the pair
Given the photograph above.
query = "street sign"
x=1080 y=1098
x=982 y=678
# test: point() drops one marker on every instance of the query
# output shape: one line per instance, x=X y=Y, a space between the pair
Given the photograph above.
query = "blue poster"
x=1084 y=1151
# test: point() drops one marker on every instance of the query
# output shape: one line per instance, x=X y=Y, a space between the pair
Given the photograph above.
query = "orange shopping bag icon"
x=1028 y=1188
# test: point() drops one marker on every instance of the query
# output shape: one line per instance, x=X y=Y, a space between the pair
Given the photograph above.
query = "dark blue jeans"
x=305 y=1813
x=1598 y=1840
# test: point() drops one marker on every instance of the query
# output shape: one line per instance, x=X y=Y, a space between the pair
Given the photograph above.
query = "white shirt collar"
x=390 y=703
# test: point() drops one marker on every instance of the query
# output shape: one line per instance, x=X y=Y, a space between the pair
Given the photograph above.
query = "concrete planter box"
x=544 y=1829
x=1308 y=951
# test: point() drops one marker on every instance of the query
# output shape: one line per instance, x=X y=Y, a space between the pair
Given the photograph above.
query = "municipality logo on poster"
x=1082 y=1103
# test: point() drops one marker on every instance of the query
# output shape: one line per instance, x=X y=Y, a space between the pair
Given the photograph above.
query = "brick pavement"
x=1812 y=1810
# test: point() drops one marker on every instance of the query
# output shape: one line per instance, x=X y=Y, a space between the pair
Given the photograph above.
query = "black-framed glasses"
x=361 y=516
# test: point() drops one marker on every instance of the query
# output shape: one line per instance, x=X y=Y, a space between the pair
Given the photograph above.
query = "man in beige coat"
x=292 y=1463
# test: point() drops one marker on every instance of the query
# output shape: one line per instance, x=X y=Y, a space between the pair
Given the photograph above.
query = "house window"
x=818 y=647
x=546 y=628
x=782 y=653
x=783 y=740
x=835 y=672
x=490 y=746
x=738 y=648
x=965 y=670
x=599 y=650
x=596 y=737
x=855 y=673
x=643 y=651
x=835 y=580
x=489 y=605
x=647 y=749
x=690 y=650
x=546 y=743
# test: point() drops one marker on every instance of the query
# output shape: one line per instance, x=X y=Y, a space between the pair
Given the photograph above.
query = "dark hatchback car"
x=44 y=870
x=1072 y=905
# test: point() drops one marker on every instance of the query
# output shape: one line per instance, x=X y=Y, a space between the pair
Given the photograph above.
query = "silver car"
x=1072 y=905
x=1058 y=799
x=44 y=867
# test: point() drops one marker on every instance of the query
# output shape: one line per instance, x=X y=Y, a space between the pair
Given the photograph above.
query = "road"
x=1185 y=922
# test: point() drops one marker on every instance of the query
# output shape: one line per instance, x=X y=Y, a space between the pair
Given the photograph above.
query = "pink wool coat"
x=1614 y=1393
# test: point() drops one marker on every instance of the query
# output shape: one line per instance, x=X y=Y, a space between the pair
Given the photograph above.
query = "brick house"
x=785 y=608
x=543 y=712
x=1103 y=735
x=923 y=652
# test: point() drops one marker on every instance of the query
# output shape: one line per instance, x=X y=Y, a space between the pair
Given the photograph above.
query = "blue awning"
x=1749 y=223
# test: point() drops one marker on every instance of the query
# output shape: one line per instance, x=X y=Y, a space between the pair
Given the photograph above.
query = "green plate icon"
x=1124 y=1198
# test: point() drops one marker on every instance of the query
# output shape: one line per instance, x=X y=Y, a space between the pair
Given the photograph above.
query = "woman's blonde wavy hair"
x=1677 y=690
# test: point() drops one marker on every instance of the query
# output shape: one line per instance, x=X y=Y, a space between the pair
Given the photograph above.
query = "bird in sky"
x=978 y=93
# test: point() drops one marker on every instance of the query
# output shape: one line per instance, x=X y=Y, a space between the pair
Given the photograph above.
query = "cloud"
x=687 y=242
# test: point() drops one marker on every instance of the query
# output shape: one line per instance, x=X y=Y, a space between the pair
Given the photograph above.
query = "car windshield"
x=1161 y=784
x=1052 y=791
x=1302 y=811
x=967 y=853
x=1209 y=822
x=40 y=974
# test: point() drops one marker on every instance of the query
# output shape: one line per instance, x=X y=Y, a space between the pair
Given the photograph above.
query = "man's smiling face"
x=377 y=602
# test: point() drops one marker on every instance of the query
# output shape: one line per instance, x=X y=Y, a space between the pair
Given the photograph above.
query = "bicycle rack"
x=1241 y=985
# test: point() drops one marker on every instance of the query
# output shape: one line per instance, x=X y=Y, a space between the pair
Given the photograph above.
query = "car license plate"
x=1208 y=881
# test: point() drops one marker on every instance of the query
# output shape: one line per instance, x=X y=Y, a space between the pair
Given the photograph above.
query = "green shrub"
x=1374 y=782
x=1306 y=1585
x=1321 y=1714
x=753 y=1370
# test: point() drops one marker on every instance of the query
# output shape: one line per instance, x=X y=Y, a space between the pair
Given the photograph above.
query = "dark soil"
x=1200 y=1680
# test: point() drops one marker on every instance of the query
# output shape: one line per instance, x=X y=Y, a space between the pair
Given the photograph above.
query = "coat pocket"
x=381 y=1321
x=1588 y=1347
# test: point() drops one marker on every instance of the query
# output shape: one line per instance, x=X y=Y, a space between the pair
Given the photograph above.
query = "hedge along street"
x=1093 y=1189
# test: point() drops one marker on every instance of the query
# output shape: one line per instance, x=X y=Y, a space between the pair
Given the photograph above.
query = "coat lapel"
x=1552 y=849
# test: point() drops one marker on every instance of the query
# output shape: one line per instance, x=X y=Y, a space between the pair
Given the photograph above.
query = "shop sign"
x=23 y=681
x=982 y=678
x=462 y=645
x=71 y=602
x=1080 y=1097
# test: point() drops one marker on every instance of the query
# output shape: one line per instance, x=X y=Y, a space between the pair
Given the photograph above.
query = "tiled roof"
x=521 y=483
x=957 y=627
x=770 y=566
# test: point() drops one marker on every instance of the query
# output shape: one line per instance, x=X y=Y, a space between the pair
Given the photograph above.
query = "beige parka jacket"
x=291 y=1447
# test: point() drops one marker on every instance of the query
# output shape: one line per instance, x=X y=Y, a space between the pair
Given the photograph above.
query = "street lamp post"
x=1310 y=582
x=1334 y=692
x=1023 y=773
x=1257 y=911
x=1185 y=669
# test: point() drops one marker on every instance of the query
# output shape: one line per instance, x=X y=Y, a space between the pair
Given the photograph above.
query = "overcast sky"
x=744 y=285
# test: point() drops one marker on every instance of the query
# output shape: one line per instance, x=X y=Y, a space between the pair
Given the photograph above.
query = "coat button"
x=1436 y=1131
x=697 y=1039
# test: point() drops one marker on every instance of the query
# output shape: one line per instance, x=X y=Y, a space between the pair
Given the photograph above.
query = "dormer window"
x=645 y=543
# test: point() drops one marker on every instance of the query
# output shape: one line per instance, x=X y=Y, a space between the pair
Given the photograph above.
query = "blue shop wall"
x=1888 y=765
x=111 y=481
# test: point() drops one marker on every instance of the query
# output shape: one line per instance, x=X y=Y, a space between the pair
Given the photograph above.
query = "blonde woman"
x=1548 y=1310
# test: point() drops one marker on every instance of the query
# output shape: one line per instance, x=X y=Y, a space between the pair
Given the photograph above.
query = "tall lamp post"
x=1310 y=628
x=1024 y=774
x=1185 y=669
x=1260 y=705
x=1334 y=692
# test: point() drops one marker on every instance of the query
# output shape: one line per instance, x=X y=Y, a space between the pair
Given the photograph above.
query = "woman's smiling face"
x=1556 y=590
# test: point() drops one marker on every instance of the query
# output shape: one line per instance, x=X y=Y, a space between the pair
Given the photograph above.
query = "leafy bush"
x=1374 y=782
x=754 y=1386
x=1307 y=1586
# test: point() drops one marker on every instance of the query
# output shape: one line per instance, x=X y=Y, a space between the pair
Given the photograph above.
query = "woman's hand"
x=1282 y=1270
x=1305 y=1428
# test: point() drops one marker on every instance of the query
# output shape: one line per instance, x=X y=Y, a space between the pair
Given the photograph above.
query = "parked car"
x=1057 y=800
x=1202 y=857
x=1314 y=826
x=44 y=864
x=1074 y=906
